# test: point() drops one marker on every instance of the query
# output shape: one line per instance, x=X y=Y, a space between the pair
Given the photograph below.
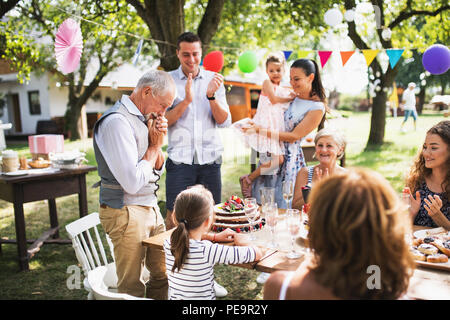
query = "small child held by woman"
x=190 y=257
x=273 y=101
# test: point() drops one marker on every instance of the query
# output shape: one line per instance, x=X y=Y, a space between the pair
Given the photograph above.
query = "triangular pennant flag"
x=287 y=54
x=394 y=55
x=345 y=55
x=137 y=52
x=303 y=53
x=324 y=56
x=369 y=55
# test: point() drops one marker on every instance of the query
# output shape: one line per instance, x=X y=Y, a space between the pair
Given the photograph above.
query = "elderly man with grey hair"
x=127 y=144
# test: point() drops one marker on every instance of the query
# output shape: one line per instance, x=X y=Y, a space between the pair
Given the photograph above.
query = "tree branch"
x=6 y=6
x=406 y=14
x=210 y=20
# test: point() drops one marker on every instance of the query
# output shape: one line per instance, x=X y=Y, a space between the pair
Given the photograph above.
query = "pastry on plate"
x=427 y=248
x=437 y=258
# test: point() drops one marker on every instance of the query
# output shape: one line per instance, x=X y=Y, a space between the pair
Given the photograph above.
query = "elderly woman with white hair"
x=329 y=147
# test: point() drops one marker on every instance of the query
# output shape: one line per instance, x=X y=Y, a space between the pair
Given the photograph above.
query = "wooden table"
x=425 y=284
x=40 y=186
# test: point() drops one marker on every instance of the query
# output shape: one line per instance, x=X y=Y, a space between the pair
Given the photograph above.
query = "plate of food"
x=234 y=204
x=431 y=248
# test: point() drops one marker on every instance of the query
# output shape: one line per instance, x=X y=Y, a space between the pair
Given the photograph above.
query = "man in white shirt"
x=130 y=162
x=194 y=148
x=409 y=100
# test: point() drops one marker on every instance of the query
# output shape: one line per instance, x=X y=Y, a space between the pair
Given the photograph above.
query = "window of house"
x=33 y=102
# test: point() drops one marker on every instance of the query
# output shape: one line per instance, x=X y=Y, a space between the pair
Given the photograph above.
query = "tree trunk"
x=378 y=119
x=421 y=99
x=71 y=119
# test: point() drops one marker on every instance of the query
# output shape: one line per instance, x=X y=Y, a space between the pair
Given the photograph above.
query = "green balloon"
x=248 y=62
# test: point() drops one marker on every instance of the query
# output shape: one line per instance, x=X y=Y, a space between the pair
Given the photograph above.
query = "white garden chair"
x=96 y=280
x=90 y=255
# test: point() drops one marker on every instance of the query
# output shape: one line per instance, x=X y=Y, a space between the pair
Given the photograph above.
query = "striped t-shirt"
x=195 y=280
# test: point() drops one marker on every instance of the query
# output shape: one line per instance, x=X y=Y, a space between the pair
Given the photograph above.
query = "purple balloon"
x=436 y=59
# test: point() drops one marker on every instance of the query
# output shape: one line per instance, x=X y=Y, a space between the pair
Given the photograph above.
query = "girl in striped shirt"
x=190 y=254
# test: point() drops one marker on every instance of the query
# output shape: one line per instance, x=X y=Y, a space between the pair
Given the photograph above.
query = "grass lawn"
x=47 y=276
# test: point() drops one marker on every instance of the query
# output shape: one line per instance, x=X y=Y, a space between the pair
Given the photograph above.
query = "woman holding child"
x=303 y=115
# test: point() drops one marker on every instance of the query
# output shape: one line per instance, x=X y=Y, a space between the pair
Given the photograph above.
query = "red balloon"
x=213 y=61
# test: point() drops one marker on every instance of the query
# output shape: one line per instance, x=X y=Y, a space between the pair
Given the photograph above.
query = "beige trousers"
x=127 y=227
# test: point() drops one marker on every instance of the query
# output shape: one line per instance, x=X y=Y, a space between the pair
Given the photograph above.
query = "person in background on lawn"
x=273 y=101
x=194 y=146
x=191 y=252
x=361 y=226
x=409 y=100
x=303 y=115
x=330 y=147
x=429 y=179
x=127 y=145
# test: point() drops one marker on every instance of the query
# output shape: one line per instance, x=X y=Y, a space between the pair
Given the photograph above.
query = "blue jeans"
x=180 y=176
x=411 y=113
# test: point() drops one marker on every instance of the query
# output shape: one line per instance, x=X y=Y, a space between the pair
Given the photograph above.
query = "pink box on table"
x=42 y=144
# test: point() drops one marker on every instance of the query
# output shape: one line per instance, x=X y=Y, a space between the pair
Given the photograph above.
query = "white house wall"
x=28 y=121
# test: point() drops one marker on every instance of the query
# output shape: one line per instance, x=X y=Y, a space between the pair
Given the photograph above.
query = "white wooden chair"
x=96 y=280
x=90 y=255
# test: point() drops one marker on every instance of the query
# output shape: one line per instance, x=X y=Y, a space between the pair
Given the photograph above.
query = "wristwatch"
x=211 y=98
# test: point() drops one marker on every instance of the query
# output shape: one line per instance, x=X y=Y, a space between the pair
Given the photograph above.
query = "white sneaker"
x=262 y=278
x=219 y=290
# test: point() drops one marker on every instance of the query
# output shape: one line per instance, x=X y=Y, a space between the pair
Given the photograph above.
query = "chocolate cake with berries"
x=231 y=214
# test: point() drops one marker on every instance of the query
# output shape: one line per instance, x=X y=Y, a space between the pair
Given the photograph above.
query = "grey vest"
x=111 y=193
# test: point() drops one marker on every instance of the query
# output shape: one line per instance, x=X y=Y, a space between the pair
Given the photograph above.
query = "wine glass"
x=294 y=221
x=271 y=211
x=251 y=212
x=288 y=192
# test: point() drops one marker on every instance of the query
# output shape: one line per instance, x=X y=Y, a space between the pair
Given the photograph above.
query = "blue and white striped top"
x=195 y=280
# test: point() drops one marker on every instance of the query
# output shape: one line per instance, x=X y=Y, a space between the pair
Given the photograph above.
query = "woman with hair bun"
x=303 y=115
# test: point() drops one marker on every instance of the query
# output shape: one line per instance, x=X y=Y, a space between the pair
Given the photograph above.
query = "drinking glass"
x=271 y=212
x=294 y=221
x=288 y=192
x=251 y=212
x=406 y=199
x=267 y=195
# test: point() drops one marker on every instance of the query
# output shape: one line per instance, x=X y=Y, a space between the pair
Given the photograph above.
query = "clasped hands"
x=157 y=129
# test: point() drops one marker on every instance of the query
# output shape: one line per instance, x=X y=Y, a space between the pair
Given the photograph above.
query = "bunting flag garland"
x=394 y=55
x=301 y=54
x=345 y=55
x=287 y=54
x=324 y=56
x=370 y=55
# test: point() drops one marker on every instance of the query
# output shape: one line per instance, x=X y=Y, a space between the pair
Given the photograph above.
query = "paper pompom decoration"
x=68 y=46
x=333 y=17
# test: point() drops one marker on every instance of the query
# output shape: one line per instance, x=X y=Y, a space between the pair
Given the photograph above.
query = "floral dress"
x=422 y=217
x=293 y=157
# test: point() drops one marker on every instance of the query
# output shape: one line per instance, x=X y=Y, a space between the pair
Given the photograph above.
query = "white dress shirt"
x=195 y=132
x=116 y=141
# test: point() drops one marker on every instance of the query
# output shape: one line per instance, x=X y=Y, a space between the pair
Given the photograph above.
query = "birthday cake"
x=231 y=214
